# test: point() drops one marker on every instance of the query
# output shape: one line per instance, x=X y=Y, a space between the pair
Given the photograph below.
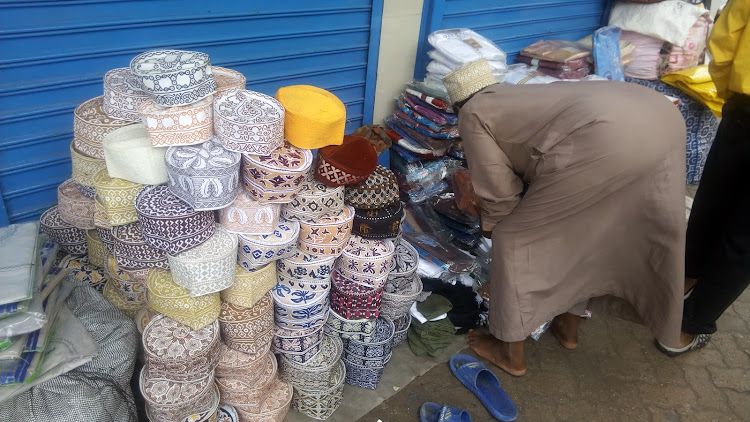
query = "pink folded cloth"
x=645 y=56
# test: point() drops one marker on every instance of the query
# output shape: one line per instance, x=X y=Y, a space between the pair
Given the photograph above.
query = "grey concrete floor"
x=614 y=375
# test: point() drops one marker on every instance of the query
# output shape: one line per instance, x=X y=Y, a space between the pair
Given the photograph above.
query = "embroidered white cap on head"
x=468 y=79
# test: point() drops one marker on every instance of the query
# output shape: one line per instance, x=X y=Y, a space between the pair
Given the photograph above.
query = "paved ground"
x=615 y=375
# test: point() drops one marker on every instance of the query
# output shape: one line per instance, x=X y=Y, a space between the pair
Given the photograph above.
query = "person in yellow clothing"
x=717 y=257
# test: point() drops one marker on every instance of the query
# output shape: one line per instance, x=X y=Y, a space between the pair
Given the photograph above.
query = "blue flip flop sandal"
x=485 y=385
x=433 y=412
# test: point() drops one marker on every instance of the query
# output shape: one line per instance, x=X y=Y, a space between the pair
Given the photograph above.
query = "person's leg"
x=707 y=219
x=508 y=356
x=565 y=326
x=722 y=269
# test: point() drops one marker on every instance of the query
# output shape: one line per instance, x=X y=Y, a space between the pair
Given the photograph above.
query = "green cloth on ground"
x=430 y=337
x=434 y=306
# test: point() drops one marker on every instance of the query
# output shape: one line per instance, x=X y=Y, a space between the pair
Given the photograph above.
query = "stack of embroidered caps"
x=314 y=227
x=359 y=278
x=177 y=380
x=401 y=290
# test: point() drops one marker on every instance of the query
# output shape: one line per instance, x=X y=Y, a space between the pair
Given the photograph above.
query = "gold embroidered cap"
x=468 y=79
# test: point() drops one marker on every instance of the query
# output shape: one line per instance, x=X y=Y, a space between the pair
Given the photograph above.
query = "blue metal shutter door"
x=511 y=24
x=53 y=55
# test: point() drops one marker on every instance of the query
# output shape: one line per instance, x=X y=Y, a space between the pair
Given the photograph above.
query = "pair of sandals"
x=480 y=381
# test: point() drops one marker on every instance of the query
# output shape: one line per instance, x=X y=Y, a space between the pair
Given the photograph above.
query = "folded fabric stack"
x=421 y=127
x=557 y=58
x=30 y=302
x=456 y=47
x=431 y=331
x=668 y=36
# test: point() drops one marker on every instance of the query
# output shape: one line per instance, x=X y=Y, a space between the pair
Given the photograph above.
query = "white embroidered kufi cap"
x=174 y=77
x=206 y=176
x=122 y=95
x=209 y=267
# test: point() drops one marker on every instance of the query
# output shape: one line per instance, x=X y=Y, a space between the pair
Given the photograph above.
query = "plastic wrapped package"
x=410 y=150
x=697 y=83
x=689 y=55
x=521 y=74
x=414 y=115
x=444 y=133
x=462 y=45
x=422 y=218
x=34 y=317
x=645 y=56
x=447 y=256
x=425 y=173
x=406 y=154
x=427 y=193
x=437 y=68
x=607 y=53
x=444 y=62
x=431 y=87
x=439 y=104
x=19 y=249
x=556 y=50
x=439 y=146
x=568 y=66
x=429 y=111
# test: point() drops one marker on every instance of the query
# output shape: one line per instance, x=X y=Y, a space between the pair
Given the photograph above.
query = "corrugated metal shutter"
x=511 y=24
x=54 y=53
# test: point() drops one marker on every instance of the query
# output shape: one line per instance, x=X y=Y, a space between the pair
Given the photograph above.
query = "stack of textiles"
x=424 y=129
x=32 y=297
x=668 y=36
x=557 y=58
x=87 y=366
x=431 y=331
x=453 y=48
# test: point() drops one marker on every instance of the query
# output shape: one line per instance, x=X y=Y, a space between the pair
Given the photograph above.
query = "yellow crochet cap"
x=315 y=118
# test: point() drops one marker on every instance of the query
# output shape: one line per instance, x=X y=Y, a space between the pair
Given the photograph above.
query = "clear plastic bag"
x=462 y=45
x=445 y=255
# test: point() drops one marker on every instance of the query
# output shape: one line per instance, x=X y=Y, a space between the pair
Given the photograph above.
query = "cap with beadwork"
x=378 y=191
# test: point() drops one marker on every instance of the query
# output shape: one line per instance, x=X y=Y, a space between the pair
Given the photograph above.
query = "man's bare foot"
x=689 y=284
x=565 y=328
x=510 y=357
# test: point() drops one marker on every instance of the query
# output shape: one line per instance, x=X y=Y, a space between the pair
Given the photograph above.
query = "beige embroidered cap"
x=174 y=301
x=468 y=79
x=129 y=155
x=118 y=198
x=249 y=287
